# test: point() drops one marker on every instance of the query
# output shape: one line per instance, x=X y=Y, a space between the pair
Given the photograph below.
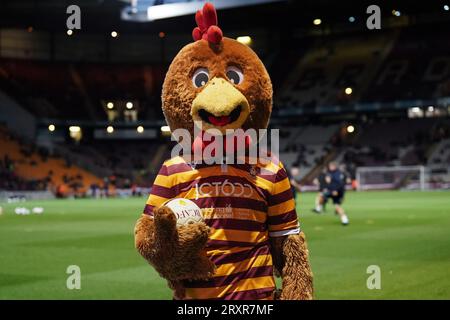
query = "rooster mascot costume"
x=250 y=229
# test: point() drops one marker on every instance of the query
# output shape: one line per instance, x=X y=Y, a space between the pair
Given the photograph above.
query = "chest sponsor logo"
x=228 y=212
x=224 y=188
x=223 y=212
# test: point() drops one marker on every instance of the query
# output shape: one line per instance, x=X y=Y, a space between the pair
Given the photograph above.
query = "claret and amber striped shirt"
x=244 y=205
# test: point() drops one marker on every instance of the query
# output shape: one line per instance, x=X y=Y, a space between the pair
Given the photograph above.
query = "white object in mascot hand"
x=185 y=210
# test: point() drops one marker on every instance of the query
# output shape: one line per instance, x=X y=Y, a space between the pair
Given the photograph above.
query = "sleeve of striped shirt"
x=161 y=191
x=282 y=216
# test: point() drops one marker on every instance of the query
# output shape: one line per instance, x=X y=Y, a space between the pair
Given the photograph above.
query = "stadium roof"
x=102 y=15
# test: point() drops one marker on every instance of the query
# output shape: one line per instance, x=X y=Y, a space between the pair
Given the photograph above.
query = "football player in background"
x=293 y=175
x=336 y=181
x=320 y=201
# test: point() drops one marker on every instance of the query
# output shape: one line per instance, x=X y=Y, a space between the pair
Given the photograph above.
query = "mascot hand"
x=177 y=253
x=291 y=260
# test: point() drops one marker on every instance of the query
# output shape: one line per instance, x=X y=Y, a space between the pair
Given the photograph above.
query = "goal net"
x=389 y=178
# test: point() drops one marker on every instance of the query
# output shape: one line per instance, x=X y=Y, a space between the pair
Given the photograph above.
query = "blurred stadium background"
x=80 y=117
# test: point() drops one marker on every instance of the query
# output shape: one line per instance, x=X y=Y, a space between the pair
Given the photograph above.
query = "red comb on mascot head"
x=249 y=227
x=207 y=28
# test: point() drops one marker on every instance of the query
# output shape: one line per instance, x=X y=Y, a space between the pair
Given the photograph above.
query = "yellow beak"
x=220 y=106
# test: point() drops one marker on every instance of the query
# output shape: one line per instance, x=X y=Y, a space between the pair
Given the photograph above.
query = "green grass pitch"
x=407 y=234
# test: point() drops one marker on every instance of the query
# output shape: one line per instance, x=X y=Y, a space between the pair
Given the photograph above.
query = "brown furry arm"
x=290 y=257
x=176 y=253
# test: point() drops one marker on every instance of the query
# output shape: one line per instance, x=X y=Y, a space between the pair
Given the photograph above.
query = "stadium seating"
x=394 y=142
x=305 y=147
x=127 y=161
x=78 y=91
x=381 y=68
x=386 y=66
x=397 y=142
x=320 y=76
x=35 y=168
x=310 y=76
x=441 y=153
x=412 y=70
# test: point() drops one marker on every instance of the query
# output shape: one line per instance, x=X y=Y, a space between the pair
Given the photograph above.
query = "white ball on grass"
x=38 y=210
x=21 y=211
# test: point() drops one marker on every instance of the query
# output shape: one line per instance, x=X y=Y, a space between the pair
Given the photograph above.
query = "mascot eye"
x=235 y=75
x=200 y=77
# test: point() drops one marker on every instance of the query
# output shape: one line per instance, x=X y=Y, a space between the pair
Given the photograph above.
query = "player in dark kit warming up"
x=336 y=181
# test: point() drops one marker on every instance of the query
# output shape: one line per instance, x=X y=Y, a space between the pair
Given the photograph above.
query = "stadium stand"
x=415 y=68
x=128 y=161
x=400 y=142
x=43 y=88
x=306 y=147
x=319 y=77
x=79 y=91
x=395 y=66
x=441 y=153
x=28 y=167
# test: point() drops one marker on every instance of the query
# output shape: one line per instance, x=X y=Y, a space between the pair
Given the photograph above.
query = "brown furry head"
x=225 y=86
